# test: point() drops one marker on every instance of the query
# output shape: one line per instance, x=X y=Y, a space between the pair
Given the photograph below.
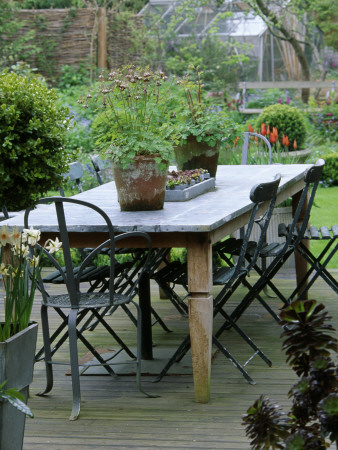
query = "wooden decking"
x=114 y=414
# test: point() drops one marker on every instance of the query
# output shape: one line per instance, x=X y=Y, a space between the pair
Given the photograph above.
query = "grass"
x=325 y=213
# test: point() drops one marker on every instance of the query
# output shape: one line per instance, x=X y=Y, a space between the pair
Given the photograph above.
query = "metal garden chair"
x=280 y=252
x=75 y=173
x=230 y=277
x=102 y=169
x=222 y=250
x=318 y=263
x=75 y=303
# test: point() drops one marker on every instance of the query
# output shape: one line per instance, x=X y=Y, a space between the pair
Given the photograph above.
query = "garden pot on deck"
x=197 y=155
x=141 y=186
x=16 y=366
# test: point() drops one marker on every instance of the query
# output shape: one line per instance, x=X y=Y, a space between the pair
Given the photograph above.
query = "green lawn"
x=325 y=212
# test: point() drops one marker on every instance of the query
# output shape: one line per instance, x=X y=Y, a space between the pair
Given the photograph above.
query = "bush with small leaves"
x=32 y=135
x=330 y=170
x=288 y=121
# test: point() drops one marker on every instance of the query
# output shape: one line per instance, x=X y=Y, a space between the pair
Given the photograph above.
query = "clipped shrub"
x=32 y=135
x=330 y=170
x=289 y=122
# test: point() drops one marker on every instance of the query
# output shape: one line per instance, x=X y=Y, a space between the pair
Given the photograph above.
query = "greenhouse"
x=272 y=59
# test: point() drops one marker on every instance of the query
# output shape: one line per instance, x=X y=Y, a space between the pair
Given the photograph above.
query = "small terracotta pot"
x=197 y=155
x=141 y=186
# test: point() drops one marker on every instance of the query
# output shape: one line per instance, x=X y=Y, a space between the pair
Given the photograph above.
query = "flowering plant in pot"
x=198 y=127
x=133 y=130
x=20 y=271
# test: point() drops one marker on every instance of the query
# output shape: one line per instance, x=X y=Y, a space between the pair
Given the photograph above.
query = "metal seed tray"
x=182 y=195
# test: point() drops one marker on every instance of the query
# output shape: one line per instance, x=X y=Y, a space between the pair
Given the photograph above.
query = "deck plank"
x=115 y=414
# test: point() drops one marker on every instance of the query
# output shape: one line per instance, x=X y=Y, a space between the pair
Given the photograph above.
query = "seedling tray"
x=183 y=195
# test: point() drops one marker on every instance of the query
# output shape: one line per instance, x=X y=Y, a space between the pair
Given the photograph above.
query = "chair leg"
x=179 y=353
x=139 y=358
x=233 y=360
x=47 y=349
x=74 y=363
x=318 y=267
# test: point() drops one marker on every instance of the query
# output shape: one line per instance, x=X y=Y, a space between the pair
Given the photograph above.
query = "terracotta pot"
x=197 y=155
x=141 y=187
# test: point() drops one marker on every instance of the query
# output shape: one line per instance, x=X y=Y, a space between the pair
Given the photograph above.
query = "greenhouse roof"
x=241 y=24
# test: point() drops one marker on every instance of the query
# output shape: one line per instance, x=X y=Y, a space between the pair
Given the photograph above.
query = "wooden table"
x=195 y=225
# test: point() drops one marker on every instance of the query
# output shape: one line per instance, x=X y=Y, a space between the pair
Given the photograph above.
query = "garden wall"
x=70 y=36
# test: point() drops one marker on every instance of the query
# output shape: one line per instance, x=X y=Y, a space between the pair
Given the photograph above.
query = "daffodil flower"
x=31 y=236
x=53 y=246
x=5 y=235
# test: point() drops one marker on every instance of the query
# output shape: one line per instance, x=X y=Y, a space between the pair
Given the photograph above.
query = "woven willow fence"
x=75 y=36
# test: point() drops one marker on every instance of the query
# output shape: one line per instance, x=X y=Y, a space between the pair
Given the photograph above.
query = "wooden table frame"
x=169 y=228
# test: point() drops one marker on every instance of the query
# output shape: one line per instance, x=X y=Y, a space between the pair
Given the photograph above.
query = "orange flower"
x=250 y=128
x=287 y=143
x=283 y=140
x=272 y=138
x=275 y=133
x=236 y=140
x=263 y=129
x=295 y=144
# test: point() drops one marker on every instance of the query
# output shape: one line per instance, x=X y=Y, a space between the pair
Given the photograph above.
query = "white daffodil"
x=32 y=236
x=5 y=235
x=4 y=269
x=34 y=261
x=53 y=246
x=15 y=236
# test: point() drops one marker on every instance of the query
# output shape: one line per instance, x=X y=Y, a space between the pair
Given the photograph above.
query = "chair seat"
x=89 y=274
x=223 y=274
x=87 y=300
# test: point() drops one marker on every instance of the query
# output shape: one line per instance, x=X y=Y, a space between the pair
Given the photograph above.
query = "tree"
x=277 y=15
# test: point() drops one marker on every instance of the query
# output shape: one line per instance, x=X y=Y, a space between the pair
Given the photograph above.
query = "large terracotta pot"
x=141 y=187
x=197 y=155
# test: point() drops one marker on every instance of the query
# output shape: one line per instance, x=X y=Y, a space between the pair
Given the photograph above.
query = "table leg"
x=300 y=263
x=145 y=303
x=200 y=313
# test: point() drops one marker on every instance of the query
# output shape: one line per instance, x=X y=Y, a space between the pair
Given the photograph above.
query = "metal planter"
x=16 y=366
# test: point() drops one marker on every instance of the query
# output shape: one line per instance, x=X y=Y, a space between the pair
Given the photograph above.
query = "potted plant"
x=308 y=340
x=20 y=271
x=32 y=136
x=198 y=127
x=133 y=130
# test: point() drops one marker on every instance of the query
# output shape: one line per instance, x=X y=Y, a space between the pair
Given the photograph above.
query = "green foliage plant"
x=15 y=398
x=20 y=270
x=193 y=116
x=32 y=135
x=133 y=121
x=330 y=171
x=308 y=343
x=288 y=121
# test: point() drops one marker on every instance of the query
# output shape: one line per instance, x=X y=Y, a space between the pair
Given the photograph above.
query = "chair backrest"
x=311 y=178
x=245 y=148
x=259 y=194
x=102 y=169
x=66 y=208
x=75 y=173
x=4 y=212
